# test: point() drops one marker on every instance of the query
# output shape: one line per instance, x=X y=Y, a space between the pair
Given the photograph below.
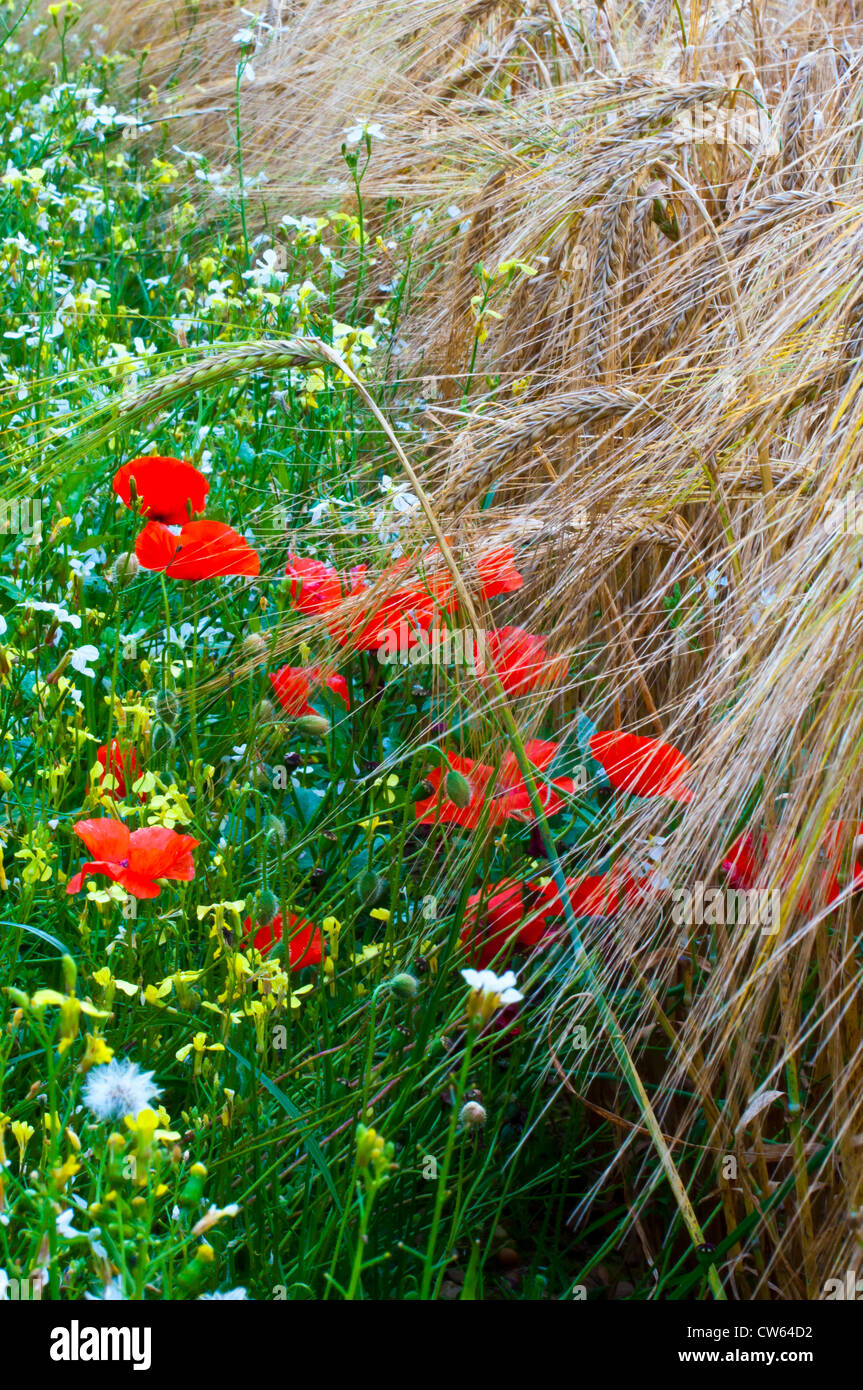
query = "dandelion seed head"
x=117 y=1089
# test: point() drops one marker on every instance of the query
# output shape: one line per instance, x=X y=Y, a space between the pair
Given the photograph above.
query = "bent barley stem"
x=510 y=728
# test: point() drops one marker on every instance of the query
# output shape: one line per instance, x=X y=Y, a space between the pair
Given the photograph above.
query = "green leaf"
x=312 y=1146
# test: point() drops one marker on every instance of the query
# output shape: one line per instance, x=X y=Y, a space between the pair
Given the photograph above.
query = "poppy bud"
x=473 y=1115
x=404 y=985
x=161 y=736
x=267 y=908
x=266 y=712
x=314 y=724
x=371 y=887
x=457 y=789
x=167 y=707
x=422 y=791
x=276 y=830
x=254 y=646
x=124 y=569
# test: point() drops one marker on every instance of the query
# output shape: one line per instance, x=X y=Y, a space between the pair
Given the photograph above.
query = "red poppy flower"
x=411 y=607
x=123 y=767
x=507 y=797
x=495 y=574
x=318 y=588
x=203 y=550
x=292 y=686
x=498 y=574
x=135 y=860
x=642 y=766
x=522 y=661
x=501 y=921
x=746 y=859
x=743 y=860
x=305 y=946
x=594 y=895
x=166 y=488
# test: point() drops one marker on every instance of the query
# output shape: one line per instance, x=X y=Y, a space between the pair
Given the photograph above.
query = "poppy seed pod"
x=457 y=788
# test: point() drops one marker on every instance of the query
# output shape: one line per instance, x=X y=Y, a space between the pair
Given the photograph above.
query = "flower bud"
x=124 y=569
x=457 y=789
x=162 y=736
x=192 y=1275
x=193 y=1189
x=371 y=887
x=167 y=707
x=404 y=985
x=70 y=973
x=314 y=724
x=276 y=830
x=473 y=1115
x=267 y=907
x=254 y=646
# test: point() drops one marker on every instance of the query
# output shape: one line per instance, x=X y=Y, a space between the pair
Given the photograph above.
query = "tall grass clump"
x=498 y=661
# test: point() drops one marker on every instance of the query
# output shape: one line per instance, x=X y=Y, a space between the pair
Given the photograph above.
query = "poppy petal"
x=109 y=839
x=167 y=488
x=156 y=546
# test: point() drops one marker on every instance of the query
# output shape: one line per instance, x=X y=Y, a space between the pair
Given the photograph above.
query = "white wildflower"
x=489 y=992
x=59 y=613
x=81 y=657
x=362 y=128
